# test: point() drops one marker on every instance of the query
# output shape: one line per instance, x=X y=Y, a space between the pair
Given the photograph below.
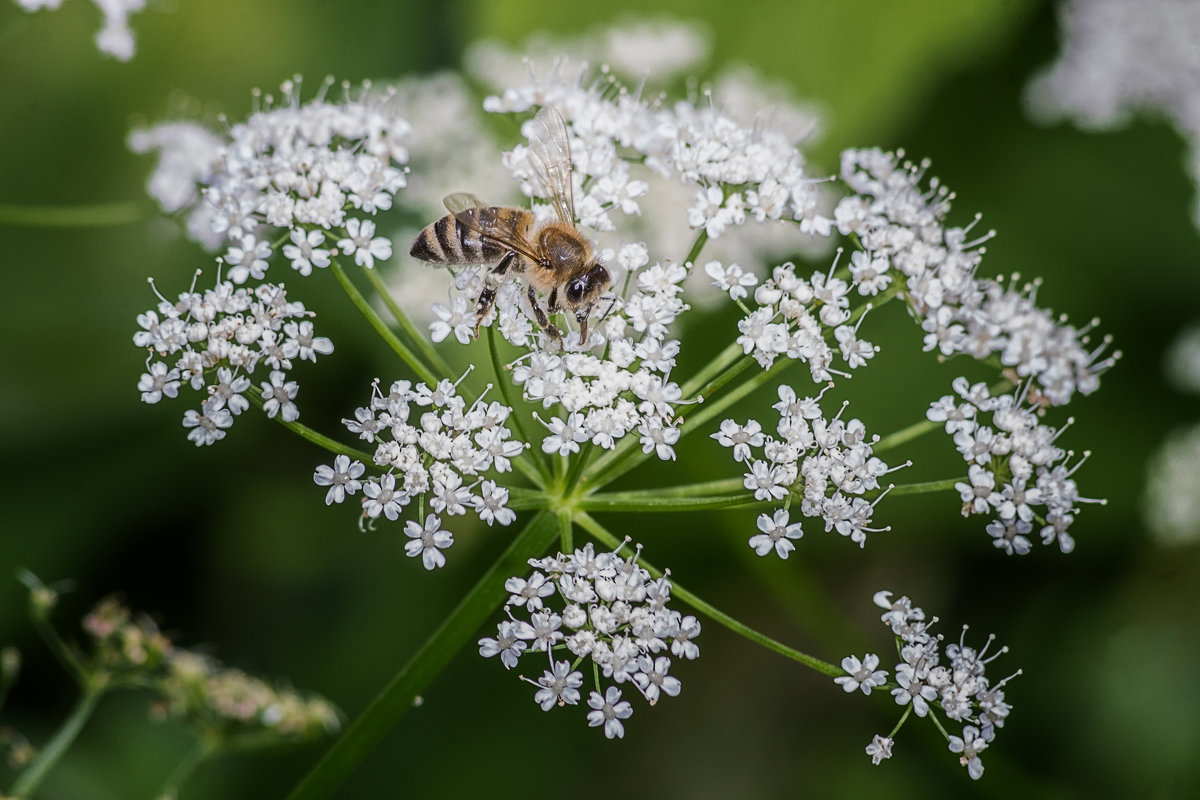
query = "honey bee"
x=552 y=257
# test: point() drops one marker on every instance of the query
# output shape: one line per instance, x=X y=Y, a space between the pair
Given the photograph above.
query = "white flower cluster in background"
x=214 y=340
x=658 y=51
x=900 y=225
x=316 y=170
x=1171 y=505
x=431 y=446
x=828 y=463
x=1183 y=360
x=1171 y=501
x=959 y=687
x=1119 y=59
x=1016 y=473
x=600 y=607
x=674 y=171
x=114 y=37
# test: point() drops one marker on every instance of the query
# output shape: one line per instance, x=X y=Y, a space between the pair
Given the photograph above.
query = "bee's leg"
x=488 y=296
x=552 y=301
x=540 y=315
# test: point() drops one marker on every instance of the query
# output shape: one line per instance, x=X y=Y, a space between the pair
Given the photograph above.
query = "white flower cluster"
x=1119 y=59
x=960 y=687
x=613 y=613
x=1014 y=466
x=900 y=225
x=833 y=458
x=1171 y=503
x=675 y=173
x=315 y=170
x=214 y=340
x=429 y=446
x=797 y=317
x=657 y=51
x=114 y=37
x=736 y=171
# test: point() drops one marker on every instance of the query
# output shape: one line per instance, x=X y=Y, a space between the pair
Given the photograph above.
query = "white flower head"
x=602 y=607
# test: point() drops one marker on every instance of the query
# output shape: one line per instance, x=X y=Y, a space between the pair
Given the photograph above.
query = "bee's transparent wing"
x=550 y=158
x=461 y=201
x=481 y=217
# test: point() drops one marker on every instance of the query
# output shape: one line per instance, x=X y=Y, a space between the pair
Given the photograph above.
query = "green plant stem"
x=423 y=344
x=604 y=536
x=398 y=696
x=356 y=297
x=521 y=499
x=205 y=747
x=651 y=500
x=65 y=655
x=924 y=488
x=697 y=246
x=31 y=777
x=566 y=539
x=98 y=215
x=712 y=369
x=540 y=475
x=905 y=435
x=307 y=433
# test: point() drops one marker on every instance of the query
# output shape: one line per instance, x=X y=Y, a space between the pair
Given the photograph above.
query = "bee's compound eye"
x=575 y=290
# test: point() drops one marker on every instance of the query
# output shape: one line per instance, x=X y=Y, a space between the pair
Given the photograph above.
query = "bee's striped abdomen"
x=447 y=241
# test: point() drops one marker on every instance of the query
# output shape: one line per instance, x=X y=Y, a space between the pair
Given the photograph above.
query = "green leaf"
x=398 y=696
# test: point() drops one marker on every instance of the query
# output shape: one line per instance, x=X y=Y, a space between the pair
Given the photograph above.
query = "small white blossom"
x=427 y=541
x=863 y=674
x=341 y=478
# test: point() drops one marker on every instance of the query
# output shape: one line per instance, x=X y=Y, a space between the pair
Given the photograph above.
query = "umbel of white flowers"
x=599 y=607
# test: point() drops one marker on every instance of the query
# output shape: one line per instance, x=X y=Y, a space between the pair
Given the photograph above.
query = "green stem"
x=319 y=439
x=521 y=499
x=393 y=341
x=65 y=655
x=542 y=476
x=205 y=747
x=32 y=776
x=97 y=215
x=398 y=696
x=410 y=330
x=651 y=500
x=924 y=488
x=697 y=246
x=566 y=540
x=724 y=359
x=905 y=435
x=605 y=537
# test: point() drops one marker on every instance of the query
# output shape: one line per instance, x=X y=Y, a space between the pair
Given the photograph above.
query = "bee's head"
x=582 y=293
x=584 y=290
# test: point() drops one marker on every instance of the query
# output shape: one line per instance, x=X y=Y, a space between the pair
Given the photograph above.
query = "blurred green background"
x=231 y=547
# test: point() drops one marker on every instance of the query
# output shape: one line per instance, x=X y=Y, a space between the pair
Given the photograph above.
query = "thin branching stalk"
x=98 y=215
x=415 y=677
x=605 y=537
x=423 y=344
x=381 y=327
x=31 y=777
